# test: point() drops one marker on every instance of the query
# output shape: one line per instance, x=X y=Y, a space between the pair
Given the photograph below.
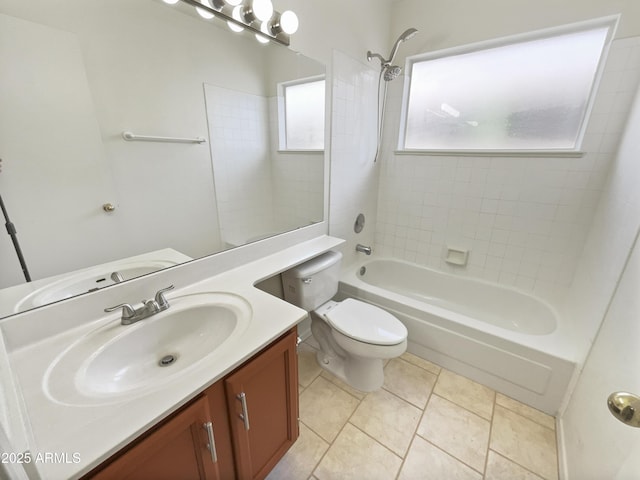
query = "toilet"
x=355 y=337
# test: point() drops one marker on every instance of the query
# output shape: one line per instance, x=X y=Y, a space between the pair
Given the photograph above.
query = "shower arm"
x=383 y=61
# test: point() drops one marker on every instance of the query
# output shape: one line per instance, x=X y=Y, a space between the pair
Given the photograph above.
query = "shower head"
x=406 y=35
x=391 y=72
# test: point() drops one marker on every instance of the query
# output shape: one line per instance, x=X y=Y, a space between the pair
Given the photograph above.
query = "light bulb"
x=264 y=28
x=204 y=13
x=171 y=2
x=262 y=38
x=236 y=16
x=233 y=2
x=262 y=9
x=289 y=22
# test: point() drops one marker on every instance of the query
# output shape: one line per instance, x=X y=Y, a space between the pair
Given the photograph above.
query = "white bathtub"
x=498 y=336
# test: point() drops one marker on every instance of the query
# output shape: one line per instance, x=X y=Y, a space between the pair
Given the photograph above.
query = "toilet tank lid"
x=315 y=265
x=366 y=323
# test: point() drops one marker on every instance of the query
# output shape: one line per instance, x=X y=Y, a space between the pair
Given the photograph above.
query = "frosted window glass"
x=304 y=115
x=524 y=96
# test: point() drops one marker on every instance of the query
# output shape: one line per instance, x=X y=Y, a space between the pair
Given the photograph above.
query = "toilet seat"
x=366 y=323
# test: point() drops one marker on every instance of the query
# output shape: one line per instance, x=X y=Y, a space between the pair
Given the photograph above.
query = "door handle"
x=625 y=407
x=211 y=446
x=245 y=413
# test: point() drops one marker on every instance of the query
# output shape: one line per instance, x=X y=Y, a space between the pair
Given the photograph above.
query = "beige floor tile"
x=345 y=386
x=325 y=408
x=389 y=419
x=302 y=458
x=427 y=462
x=412 y=383
x=355 y=455
x=457 y=431
x=525 y=442
x=464 y=392
x=308 y=368
x=421 y=362
x=500 y=468
x=526 y=411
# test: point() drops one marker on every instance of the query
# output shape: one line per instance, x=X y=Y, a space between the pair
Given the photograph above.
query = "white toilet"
x=354 y=336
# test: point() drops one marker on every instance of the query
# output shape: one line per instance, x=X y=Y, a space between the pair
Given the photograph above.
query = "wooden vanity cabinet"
x=175 y=449
x=262 y=397
x=250 y=436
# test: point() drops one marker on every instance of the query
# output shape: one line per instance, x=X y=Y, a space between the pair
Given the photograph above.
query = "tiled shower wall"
x=524 y=220
x=354 y=175
x=240 y=155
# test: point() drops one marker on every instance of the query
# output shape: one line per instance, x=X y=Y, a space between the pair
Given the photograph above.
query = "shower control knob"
x=108 y=207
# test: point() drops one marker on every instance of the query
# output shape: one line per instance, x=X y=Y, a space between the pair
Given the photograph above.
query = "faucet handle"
x=160 y=298
x=128 y=311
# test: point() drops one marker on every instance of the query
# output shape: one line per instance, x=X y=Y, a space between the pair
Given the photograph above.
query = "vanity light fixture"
x=257 y=16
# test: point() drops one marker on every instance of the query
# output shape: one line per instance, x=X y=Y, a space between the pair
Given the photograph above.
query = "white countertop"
x=94 y=432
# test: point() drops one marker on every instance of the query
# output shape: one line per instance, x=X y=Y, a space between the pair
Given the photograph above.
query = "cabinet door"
x=177 y=449
x=219 y=416
x=262 y=398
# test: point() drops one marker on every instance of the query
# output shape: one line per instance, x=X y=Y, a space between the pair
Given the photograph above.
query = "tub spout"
x=363 y=249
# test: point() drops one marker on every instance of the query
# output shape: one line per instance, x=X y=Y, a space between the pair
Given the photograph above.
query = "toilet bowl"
x=354 y=337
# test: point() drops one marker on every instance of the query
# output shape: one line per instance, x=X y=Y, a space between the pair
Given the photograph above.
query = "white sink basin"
x=87 y=281
x=115 y=361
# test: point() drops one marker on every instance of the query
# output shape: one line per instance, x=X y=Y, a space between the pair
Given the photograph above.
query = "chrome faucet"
x=132 y=315
x=117 y=277
x=364 y=249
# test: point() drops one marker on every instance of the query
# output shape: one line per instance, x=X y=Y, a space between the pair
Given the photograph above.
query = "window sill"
x=494 y=153
x=301 y=151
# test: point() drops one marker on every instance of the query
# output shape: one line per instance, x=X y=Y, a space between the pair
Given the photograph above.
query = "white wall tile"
x=542 y=206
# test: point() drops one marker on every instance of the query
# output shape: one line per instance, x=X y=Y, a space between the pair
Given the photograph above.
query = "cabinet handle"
x=245 y=414
x=211 y=446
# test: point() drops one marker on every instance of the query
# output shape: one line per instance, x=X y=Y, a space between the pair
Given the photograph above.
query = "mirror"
x=78 y=74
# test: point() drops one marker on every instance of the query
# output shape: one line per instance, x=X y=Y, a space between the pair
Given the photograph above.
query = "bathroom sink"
x=114 y=361
x=71 y=284
x=87 y=281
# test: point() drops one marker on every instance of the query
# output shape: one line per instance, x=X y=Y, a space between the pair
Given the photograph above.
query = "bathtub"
x=501 y=337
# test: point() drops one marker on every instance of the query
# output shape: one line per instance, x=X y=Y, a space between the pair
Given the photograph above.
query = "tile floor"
x=425 y=423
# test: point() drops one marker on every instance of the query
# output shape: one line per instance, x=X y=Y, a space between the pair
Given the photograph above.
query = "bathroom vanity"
x=87 y=391
x=254 y=409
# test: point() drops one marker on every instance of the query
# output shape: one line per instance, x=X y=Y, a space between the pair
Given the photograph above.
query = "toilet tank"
x=314 y=282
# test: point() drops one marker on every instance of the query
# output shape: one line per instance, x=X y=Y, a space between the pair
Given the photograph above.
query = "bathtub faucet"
x=363 y=249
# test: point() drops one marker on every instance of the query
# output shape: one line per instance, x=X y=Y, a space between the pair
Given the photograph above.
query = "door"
x=262 y=398
x=178 y=449
x=596 y=444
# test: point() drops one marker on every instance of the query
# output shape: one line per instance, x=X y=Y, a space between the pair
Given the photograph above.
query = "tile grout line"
x=341 y=428
x=516 y=463
x=493 y=412
x=415 y=432
x=442 y=449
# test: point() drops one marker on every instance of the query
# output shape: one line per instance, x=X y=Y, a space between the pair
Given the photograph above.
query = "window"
x=526 y=93
x=302 y=114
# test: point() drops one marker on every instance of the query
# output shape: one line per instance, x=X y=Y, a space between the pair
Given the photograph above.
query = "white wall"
x=459 y=22
x=44 y=66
